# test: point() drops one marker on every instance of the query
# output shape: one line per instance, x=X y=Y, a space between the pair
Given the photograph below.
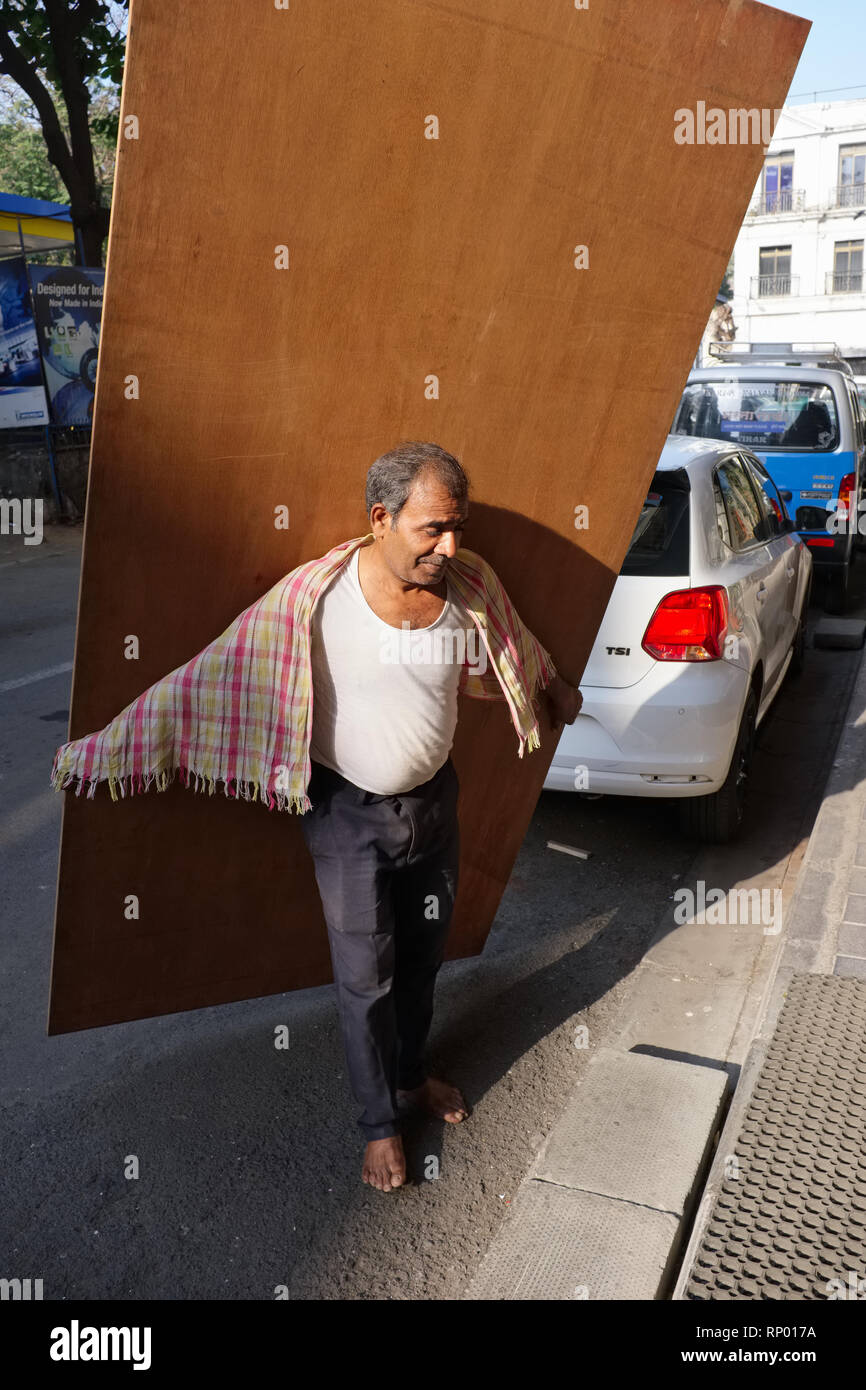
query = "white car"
x=706 y=617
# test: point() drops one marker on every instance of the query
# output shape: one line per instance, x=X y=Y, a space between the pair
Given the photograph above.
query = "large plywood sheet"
x=408 y=257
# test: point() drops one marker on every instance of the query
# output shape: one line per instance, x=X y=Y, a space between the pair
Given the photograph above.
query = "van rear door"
x=797 y=428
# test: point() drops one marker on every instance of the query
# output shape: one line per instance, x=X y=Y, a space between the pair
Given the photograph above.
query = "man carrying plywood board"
x=411 y=221
x=308 y=701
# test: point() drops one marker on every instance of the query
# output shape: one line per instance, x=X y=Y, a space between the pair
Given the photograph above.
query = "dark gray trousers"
x=386 y=867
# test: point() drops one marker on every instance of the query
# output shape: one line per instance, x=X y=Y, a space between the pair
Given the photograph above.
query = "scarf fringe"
x=530 y=742
x=121 y=787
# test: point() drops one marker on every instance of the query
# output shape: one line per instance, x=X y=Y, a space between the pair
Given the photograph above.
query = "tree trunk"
x=92 y=229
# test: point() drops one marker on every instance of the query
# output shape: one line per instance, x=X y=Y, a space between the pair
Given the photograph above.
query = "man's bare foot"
x=385 y=1164
x=438 y=1098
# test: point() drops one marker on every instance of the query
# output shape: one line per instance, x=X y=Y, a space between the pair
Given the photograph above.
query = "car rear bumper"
x=679 y=723
x=824 y=555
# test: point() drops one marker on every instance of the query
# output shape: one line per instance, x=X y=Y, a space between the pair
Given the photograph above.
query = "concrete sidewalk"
x=610 y=1202
x=825 y=940
x=826 y=926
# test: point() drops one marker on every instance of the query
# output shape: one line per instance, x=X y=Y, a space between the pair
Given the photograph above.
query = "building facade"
x=798 y=261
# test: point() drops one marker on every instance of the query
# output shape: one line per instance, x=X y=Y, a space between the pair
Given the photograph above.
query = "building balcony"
x=785 y=200
x=794 y=201
x=767 y=286
x=848 y=195
x=844 y=282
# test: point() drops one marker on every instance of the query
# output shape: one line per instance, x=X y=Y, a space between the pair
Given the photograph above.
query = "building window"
x=774 y=274
x=851 y=190
x=778 y=186
x=847 y=267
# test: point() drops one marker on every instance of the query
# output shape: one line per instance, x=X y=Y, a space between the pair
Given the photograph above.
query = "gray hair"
x=391 y=478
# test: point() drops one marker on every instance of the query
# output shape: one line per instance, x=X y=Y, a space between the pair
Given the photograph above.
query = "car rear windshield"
x=763 y=415
x=660 y=543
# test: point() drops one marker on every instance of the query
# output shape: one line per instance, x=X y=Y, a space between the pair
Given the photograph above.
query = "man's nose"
x=447 y=544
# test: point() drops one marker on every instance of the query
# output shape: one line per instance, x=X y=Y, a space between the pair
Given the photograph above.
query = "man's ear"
x=378 y=517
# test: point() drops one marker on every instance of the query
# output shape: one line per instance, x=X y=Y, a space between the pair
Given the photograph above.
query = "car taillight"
x=846 y=487
x=689 y=625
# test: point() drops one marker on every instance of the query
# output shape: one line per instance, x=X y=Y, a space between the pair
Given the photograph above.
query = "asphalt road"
x=248 y=1159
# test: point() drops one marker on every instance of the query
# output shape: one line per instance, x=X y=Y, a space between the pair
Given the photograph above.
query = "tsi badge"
x=617 y=651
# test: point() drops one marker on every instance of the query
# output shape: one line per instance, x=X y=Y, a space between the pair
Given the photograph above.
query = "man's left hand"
x=563 y=701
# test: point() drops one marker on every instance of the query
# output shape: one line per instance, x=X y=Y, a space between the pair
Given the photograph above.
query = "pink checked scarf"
x=240 y=712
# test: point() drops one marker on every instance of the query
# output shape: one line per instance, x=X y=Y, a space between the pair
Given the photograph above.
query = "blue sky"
x=835 y=52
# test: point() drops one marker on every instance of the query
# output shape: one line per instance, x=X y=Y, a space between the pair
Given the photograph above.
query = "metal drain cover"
x=789 y=1221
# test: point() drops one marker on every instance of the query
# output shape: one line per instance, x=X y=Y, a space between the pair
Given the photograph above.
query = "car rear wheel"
x=716 y=819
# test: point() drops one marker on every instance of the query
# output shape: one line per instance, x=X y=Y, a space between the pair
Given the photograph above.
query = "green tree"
x=67 y=59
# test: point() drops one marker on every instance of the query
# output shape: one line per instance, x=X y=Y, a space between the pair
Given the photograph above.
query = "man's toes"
x=457 y=1107
x=384 y=1179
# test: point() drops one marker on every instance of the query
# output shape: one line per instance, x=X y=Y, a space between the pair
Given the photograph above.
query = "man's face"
x=426 y=535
